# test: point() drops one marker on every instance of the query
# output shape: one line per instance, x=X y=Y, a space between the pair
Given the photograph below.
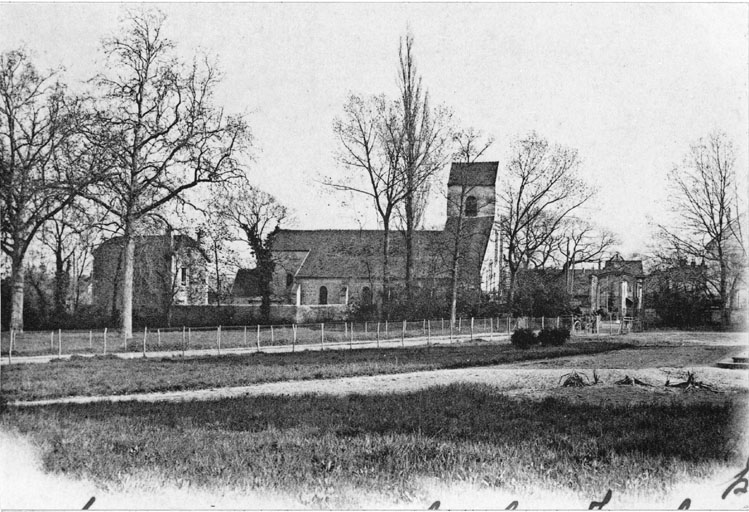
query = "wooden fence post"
x=105 y=341
x=542 y=323
x=51 y=340
x=378 y=334
x=322 y=336
x=451 y=330
x=351 y=339
x=442 y=323
x=598 y=324
x=365 y=327
x=403 y=335
x=460 y=324
x=471 y=328
x=218 y=339
x=183 y=341
x=10 y=346
x=557 y=322
x=345 y=329
x=508 y=324
x=189 y=336
x=386 y=329
x=245 y=337
x=145 y=334
x=491 y=328
x=258 y=338
x=158 y=338
x=272 y=335
x=429 y=332
x=90 y=339
x=293 y=340
x=59 y=342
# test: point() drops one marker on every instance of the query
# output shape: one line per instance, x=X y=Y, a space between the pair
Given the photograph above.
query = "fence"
x=318 y=335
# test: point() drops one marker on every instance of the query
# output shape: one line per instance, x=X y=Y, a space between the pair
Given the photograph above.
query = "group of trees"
x=702 y=257
x=77 y=167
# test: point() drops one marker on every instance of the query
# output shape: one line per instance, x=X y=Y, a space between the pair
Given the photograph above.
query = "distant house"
x=169 y=269
x=327 y=266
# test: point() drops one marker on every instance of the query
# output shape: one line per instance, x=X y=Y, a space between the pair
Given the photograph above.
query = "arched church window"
x=289 y=279
x=471 y=207
x=323 y=298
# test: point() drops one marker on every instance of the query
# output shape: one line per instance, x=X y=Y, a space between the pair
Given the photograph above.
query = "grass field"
x=111 y=375
x=347 y=452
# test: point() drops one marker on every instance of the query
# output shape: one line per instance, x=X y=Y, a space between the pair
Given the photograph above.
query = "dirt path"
x=531 y=382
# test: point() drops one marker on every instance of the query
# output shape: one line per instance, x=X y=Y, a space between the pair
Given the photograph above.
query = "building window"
x=343 y=296
x=323 y=299
x=366 y=296
x=289 y=279
x=471 y=207
x=183 y=276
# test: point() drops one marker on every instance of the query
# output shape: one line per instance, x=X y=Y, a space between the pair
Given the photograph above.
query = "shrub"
x=553 y=337
x=523 y=338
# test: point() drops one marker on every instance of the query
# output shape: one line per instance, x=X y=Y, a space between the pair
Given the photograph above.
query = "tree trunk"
x=409 y=245
x=126 y=311
x=385 y=278
x=62 y=280
x=16 y=301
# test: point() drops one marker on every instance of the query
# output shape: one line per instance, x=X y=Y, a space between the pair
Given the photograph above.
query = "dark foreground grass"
x=113 y=376
x=339 y=451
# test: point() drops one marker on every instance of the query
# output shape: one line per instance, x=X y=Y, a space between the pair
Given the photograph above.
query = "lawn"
x=111 y=375
x=351 y=451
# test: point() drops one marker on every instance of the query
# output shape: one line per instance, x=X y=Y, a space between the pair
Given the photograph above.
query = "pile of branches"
x=691 y=384
x=629 y=381
x=578 y=380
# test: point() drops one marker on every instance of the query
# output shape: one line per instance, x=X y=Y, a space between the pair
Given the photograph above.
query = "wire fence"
x=294 y=336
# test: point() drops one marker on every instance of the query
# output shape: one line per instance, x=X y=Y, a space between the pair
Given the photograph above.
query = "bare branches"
x=44 y=163
x=541 y=191
x=704 y=198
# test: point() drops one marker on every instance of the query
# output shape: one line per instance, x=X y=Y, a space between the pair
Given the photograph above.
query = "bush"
x=523 y=338
x=553 y=337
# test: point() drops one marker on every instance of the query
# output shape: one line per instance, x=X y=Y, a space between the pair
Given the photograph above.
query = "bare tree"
x=44 y=167
x=541 y=191
x=256 y=217
x=470 y=146
x=71 y=236
x=580 y=242
x=165 y=136
x=706 y=202
x=370 y=147
x=425 y=136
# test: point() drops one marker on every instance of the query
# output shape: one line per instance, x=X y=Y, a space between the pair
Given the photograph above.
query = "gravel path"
x=531 y=382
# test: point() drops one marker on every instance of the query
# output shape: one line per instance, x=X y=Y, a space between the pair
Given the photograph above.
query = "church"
x=336 y=267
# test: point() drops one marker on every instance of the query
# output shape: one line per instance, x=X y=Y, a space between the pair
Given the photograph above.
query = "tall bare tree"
x=44 y=166
x=370 y=147
x=425 y=136
x=542 y=189
x=705 y=200
x=256 y=217
x=159 y=124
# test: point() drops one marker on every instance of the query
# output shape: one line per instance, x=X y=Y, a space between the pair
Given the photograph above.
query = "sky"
x=630 y=86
